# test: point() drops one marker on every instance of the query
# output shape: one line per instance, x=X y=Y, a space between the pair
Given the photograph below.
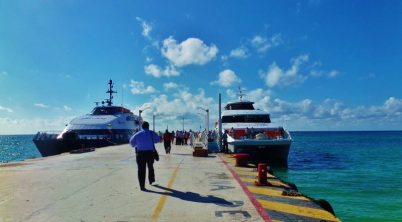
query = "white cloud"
x=276 y=76
x=146 y=28
x=170 y=110
x=4 y=73
x=41 y=105
x=231 y=93
x=333 y=74
x=227 y=78
x=190 y=51
x=170 y=85
x=262 y=44
x=6 y=109
x=393 y=105
x=32 y=125
x=140 y=88
x=156 y=71
x=240 y=53
x=67 y=108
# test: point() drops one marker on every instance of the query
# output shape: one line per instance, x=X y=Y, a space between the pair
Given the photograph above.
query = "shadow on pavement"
x=194 y=197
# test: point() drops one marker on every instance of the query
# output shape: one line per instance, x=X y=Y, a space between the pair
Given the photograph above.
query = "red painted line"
x=250 y=196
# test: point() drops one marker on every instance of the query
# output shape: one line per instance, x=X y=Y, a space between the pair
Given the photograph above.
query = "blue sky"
x=314 y=65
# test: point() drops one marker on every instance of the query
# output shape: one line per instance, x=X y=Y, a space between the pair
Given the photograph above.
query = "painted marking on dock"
x=264 y=215
x=279 y=206
x=274 y=183
x=248 y=173
x=272 y=192
x=163 y=198
x=298 y=210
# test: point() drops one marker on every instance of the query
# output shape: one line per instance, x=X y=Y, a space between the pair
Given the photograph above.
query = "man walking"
x=144 y=144
x=167 y=141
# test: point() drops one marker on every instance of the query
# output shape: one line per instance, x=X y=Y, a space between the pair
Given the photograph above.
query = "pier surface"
x=103 y=186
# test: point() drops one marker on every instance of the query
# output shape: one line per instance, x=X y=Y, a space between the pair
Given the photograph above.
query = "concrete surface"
x=103 y=186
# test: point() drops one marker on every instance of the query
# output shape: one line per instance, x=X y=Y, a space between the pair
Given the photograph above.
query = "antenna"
x=122 y=96
x=241 y=94
x=110 y=91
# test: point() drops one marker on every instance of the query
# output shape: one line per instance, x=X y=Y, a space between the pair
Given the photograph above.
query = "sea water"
x=17 y=147
x=358 y=173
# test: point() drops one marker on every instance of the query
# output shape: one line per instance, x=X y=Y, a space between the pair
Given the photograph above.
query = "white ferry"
x=250 y=131
x=106 y=125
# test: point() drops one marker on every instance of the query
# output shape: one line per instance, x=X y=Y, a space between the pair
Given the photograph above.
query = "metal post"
x=207 y=110
x=183 y=123
x=153 y=122
x=139 y=119
x=220 y=123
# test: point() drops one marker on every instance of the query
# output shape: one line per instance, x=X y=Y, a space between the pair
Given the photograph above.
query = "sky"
x=313 y=65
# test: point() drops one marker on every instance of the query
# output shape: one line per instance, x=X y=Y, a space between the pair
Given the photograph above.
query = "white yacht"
x=106 y=125
x=250 y=131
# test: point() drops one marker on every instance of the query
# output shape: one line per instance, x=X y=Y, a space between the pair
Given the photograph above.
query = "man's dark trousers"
x=145 y=158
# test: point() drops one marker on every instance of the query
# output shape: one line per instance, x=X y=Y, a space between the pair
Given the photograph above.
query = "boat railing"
x=45 y=135
x=271 y=134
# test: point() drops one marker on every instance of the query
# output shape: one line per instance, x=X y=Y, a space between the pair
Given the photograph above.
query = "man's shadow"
x=194 y=197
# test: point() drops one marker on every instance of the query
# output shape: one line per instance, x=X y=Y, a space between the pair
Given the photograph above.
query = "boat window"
x=246 y=119
x=106 y=111
x=240 y=106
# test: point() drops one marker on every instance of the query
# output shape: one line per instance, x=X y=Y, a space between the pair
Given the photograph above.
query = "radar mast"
x=241 y=94
x=110 y=91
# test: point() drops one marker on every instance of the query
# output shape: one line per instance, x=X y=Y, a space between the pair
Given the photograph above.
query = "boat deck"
x=103 y=186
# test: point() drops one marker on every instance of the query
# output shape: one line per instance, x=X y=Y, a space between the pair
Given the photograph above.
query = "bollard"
x=262 y=175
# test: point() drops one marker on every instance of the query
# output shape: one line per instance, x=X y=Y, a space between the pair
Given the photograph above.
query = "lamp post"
x=153 y=122
x=207 y=120
x=139 y=115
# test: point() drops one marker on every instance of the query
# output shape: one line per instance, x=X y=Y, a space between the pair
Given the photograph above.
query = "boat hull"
x=50 y=147
x=273 y=153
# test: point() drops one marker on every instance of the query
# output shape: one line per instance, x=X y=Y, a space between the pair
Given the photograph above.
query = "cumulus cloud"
x=227 y=78
x=140 y=88
x=170 y=110
x=331 y=114
x=67 y=108
x=156 y=71
x=277 y=76
x=190 y=51
x=170 y=85
x=146 y=28
x=231 y=93
x=240 y=53
x=32 y=125
x=5 y=109
x=41 y=105
x=262 y=44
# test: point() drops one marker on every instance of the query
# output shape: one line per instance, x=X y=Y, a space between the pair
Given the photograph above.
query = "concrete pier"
x=103 y=186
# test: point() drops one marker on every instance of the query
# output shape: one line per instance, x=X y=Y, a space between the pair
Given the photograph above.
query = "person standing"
x=144 y=144
x=225 y=148
x=167 y=141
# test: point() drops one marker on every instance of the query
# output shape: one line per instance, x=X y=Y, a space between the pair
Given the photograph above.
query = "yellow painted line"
x=297 y=210
x=163 y=198
x=271 y=192
x=275 y=183
x=248 y=173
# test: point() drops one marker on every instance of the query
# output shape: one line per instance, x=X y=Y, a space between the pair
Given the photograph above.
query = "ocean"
x=359 y=173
